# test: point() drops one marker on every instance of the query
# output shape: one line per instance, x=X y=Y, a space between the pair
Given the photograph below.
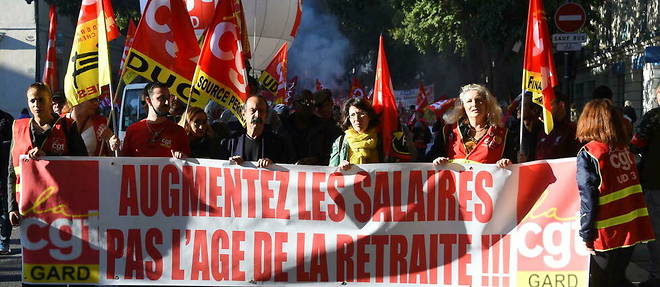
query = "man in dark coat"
x=257 y=143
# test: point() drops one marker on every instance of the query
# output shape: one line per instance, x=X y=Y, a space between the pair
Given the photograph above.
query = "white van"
x=132 y=107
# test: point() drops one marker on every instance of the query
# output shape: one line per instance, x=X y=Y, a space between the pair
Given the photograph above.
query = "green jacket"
x=339 y=151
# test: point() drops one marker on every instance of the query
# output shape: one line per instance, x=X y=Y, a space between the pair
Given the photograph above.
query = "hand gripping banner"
x=160 y=221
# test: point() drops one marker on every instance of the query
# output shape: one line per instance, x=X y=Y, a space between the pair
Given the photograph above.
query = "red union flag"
x=422 y=98
x=164 y=48
x=385 y=106
x=273 y=78
x=220 y=73
x=441 y=106
x=357 y=90
x=50 y=70
x=130 y=35
x=539 y=75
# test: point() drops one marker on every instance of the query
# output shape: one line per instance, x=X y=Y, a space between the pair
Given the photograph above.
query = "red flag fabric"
x=383 y=101
x=422 y=98
x=112 y=30
x=296 y=22
x=164 y=48
x=50 y=76
x=273 y=78
x=237 y=7
x=357 y=90
x=130 y=35
x=539 y=74
x=220 y=74
x=318 y=86
x=441 y=106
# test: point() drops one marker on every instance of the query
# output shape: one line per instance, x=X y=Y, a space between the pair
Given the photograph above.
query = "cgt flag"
x=50 y=70
x=273 y=78
x=539 y=74
x=220 y=74
x=89 y=66
x=164 y=48
x=357 y=91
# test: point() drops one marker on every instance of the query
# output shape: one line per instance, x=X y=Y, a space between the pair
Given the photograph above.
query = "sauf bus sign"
x=569 y=18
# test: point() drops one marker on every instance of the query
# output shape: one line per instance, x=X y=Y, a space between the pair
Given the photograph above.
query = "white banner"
x=205 y=222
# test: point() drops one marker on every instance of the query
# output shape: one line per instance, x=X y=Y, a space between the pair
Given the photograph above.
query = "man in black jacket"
x=257 y=143
x=5 y=144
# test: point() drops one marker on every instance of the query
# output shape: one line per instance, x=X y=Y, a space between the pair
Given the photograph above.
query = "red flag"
x=273 y=78
x=164 y=48
x=237 y=8
x=318 y=86
x=111 y=26
x=220 y=74
x=422 y=98
x=539 y=74
x=384 y=103
x=356 y=88
x=130 y=35
x=50 y=70
x=441 y=106
x=296 y=22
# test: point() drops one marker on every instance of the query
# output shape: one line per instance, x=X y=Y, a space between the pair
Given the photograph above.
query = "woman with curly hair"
x=473 y=131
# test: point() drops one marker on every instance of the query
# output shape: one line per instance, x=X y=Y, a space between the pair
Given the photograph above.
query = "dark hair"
x=560 y=97
x=602 y=92
x=321 y=97
x=150 y=87
x=39 y=87
x=362 y=104
x=602 y=121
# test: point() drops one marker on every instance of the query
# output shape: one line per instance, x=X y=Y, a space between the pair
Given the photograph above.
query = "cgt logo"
x=219 y=31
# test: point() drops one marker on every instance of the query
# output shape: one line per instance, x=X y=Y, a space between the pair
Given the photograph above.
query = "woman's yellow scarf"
x=363 y=147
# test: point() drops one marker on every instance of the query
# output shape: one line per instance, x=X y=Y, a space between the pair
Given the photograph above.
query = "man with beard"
x=257 y=143
x=156 y=136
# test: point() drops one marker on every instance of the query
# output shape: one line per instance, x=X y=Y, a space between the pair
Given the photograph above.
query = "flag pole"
x=111 y=117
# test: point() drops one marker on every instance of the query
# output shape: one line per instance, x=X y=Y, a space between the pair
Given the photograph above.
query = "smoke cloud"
x=320 y=50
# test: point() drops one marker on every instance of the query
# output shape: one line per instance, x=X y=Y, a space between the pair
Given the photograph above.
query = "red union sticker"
x=60 y=221
x=550 y=250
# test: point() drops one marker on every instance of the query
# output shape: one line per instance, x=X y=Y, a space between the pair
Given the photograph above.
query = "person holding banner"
x=45 y=134
x=360 y=142
x=156 y=136
x=93 y=128
x=613 y=214
x=203 y=141
x=258 y=143
x=473 y=131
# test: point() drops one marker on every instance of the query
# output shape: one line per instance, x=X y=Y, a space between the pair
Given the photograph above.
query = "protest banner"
x=161 y=221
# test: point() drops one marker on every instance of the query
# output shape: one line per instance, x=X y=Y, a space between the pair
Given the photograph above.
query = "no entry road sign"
x=570 y=17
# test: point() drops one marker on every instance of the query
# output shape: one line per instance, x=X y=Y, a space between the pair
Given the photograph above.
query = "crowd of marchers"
x=616 y=214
